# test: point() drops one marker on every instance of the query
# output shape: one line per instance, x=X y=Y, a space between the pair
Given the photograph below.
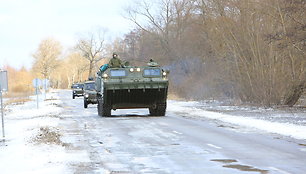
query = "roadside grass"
x=16 y=98
x=17 y=94
x=16 y=101
x=172 y=96
x=48 y=135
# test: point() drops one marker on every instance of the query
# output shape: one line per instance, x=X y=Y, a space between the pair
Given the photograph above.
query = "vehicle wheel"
x=161 y=109
x=100 y=107
x=85 y=103
x=152 y=111
x=106 y=111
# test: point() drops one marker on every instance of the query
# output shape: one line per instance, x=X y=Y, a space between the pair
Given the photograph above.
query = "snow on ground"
x=32 y=143
x=257 y=121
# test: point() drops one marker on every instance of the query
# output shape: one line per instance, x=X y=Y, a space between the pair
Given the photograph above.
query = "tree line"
x=248 y=50
x=251 y=51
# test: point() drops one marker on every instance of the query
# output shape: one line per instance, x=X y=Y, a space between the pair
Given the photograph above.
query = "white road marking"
x=177 y=132
x=279 y=170
x=214 y=146
x=303 y=149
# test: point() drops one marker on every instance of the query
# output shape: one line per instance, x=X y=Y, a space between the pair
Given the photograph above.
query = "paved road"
x=133 y=142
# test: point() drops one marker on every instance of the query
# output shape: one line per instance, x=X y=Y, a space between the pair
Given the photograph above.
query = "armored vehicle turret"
x=132 y=87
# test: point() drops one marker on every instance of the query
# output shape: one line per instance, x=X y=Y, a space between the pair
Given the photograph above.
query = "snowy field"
x=290 y=122
x=33 y=143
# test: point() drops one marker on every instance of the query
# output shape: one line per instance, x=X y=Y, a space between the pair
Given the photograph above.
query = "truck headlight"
x=164 y=73
x=138 y=69
x=86 y=95
x=131 y=69
x=105 y=76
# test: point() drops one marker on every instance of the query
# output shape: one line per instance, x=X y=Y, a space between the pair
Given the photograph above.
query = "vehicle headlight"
x=138 y=69
x=105 y=76
x=164 y=73
x=86 y=95
x=131 y=69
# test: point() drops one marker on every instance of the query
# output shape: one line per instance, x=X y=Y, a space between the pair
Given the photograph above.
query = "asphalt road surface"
x=131 y=141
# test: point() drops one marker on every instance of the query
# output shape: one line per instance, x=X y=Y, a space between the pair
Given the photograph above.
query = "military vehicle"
x=132 y=87
x=90 y=94
x=77 y=90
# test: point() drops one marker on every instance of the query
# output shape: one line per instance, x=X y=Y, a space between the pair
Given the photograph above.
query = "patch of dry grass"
x=172 y=96
x=13 y=98
x=47 y=135
x=16 y=95
x=50 y=99
x=17 y=101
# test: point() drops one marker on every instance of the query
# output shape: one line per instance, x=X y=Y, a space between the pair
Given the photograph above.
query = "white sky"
x=24 y=23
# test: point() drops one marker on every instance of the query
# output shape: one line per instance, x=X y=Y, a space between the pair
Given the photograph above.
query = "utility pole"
x=3 y=87
x=37 y=83
x=2 y=113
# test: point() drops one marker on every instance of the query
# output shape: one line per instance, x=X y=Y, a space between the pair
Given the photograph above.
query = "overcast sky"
x=24 y=23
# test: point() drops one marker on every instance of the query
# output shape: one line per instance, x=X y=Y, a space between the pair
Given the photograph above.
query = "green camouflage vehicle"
x=132 y=87
x=90 y=94
x=77 y=90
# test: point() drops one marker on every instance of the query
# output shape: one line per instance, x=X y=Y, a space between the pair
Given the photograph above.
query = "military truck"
x=90 y=94
x=77 y=90
x=132 y=87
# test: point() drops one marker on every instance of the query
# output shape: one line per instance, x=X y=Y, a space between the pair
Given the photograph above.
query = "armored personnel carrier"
x=132 y=87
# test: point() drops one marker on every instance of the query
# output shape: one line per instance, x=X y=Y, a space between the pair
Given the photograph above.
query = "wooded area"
x=247 y=50
x=251 y=50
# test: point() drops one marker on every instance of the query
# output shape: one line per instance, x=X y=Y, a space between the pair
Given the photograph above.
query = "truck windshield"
x=117 y=73
x=89 y=86
x=152 y=72
x=77 y=86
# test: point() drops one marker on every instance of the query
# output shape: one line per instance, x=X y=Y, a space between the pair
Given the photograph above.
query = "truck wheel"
x=99 y=109
x=152 y=112
x=106 y=111
x=161 y=109
x=85 y=103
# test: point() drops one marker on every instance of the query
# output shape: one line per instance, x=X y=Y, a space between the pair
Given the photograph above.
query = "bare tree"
x=158 y=17
x=46 y=57
x=165 y=23
x=77 y=65
x=260 y=46
x=289 y=39
x=253 y=51
x=92 y=48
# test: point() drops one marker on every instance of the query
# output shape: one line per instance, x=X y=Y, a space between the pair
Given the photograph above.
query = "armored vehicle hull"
x=133 y=89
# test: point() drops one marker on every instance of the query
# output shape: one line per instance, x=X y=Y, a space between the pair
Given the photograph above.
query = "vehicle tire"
x=161 y=109
x=152 y=112
x=85 y=103
x=106 y=111
x=100 y=107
